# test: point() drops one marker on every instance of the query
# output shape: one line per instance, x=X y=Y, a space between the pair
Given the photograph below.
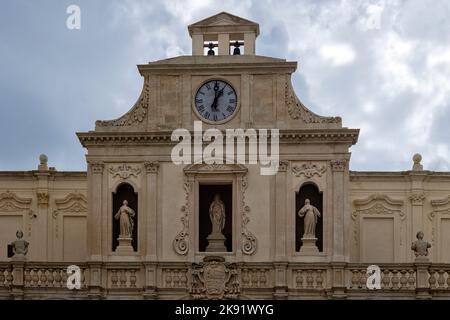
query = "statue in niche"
x=420 y=247
x=125 y=214
x=20 y=246
x=217 y=215
x=311 y=215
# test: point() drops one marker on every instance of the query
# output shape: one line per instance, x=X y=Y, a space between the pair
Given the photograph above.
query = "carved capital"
x=42 y=198
x=309 y=170
x=124 y=171
x=283 y=165
x=151 y=166
x=417 y=199
x=97 y=166
x=338 y=164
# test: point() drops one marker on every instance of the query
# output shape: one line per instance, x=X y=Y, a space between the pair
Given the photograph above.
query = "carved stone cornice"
x=88 y=139
x=417 y=199
x=309 y=170
x=338 y=164
x=124 y=171
x=151 y=166
x=97 y=166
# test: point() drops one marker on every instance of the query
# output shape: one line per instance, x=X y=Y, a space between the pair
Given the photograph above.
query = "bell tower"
x=223 y=34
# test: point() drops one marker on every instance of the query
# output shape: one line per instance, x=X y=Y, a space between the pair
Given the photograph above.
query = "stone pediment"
x=203 y=168
x=223 y=19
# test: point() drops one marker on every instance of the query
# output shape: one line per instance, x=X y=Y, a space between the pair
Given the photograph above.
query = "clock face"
x=216 y=101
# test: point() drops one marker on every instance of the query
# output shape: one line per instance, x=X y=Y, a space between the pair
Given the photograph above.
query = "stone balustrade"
x=33 y=280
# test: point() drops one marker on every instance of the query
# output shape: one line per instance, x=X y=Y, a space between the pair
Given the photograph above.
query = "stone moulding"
x=73 y=203
x=135 y=116
x=88 y=139
x=376 y=204
x=440 y=207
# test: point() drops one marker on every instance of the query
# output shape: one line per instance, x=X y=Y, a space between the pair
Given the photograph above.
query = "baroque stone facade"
x=365 y=217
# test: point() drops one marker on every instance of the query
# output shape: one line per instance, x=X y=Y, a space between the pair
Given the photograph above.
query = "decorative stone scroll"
x=181 y=241
x=298 y=111
x=214 y=279
x=309 y=170
x=136 y=115
x=249 y=242
x=124 y=171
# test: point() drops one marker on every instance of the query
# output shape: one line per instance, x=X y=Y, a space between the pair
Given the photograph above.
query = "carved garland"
x=137 y=114
x=309 y=170
x=181 y=241
x=249 y=243
x=124 y=171
x=297 y=110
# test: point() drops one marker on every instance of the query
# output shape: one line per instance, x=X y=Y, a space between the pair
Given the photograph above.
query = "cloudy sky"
x=384 y=66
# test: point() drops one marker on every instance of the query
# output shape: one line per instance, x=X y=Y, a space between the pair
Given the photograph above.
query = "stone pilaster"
x=95 y=207
x=338 y=168
x=151 y=230
x=280 y=212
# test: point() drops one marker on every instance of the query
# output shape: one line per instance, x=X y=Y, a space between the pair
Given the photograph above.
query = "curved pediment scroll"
x=297 y=111
x=133 y=119
x=377 y=204
x=10 y=202
x=74 y=203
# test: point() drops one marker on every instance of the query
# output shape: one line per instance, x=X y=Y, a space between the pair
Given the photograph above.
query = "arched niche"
x=308 y=190
x=124 y=191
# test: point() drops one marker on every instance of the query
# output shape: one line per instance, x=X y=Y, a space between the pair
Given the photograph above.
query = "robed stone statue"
x=216 y=240
x=310 y=214
x=125 y=216
x=217 y=215
x=19 y=246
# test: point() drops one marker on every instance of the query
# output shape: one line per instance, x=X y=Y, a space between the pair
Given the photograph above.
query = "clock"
x=215 y=101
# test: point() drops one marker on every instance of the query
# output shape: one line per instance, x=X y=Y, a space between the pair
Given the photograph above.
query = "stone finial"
x=420 y=246
x=43 y=159
x=417 y=166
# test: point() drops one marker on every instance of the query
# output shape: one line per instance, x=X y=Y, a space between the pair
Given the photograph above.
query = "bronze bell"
x=211 y=51
x=236 y=50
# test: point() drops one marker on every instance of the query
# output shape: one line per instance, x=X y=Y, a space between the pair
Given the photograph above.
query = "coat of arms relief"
x=214 y=279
